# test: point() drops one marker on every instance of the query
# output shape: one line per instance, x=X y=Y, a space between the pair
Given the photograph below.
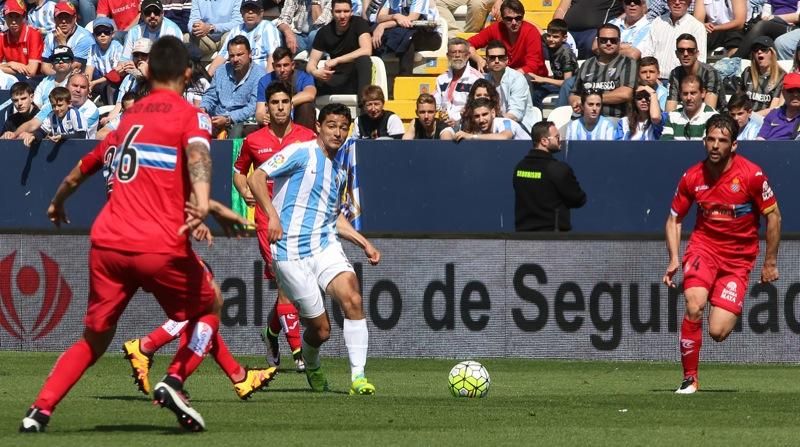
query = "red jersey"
x=259 y=147
x=101 y=157
x=728 y=209
x=28 y=47
x=151 y=179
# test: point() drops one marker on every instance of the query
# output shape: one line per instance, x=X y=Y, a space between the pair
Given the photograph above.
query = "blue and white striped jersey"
x=129 y=83
x=43 y=89
x=71 y=123
x=80 y=41
x=306 y=196
x=42 y=17
x=88 y=111
x=263 y=38
x=167 y=28
x=603 y=130
x=104 y=61
x=751 y=129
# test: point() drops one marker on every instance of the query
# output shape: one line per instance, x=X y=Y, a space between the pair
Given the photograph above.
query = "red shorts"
x=266 y=253
x=726 y=279
x=182 y=285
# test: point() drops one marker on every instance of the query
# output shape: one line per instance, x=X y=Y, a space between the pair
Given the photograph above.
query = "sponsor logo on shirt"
x=729 y=292
x=766 y=191
x=759 y=97
x=699 y=188
x=276 y=161
x=604 y=85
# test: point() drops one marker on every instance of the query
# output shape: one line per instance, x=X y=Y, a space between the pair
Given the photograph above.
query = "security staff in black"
x=545 y=188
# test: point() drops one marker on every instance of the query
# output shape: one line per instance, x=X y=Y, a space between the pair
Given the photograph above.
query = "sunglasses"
x=152 y=12
x=686 y=50
x=496 y=57
x=760 y=50
x=633 y=2
x=510 y=19
x=62 y=60
x=103 y=31
x=642 y=96
x=611 y=40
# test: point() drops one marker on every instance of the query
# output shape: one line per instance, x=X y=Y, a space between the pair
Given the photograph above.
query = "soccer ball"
x=469 y=379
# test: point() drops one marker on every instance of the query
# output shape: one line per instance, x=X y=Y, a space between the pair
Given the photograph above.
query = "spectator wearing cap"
x=300 y=20
x=687 y=51
x=396 y=33
x=231 y=99
x=302 y=88
x=125 y=13
x=782 y=123
x=106 y=54
x=262 y=35
x=209 y=20
x=68 y=33
x=62 y=66
x=724 y=21
x=152 y=26
x=21 y=46
x=762 y=81
x=135 y=76
x=42 y=16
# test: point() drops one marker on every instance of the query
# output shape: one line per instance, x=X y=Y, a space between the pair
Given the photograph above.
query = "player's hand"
x=231 y=223
x=203 y=233
x=248 y=198
x=672 y=269
x=769 y=272
x=709 y=27
x=195 y=215
x=291 y=42
x=57 y=214
x=7 y=136
x=274 y=230
x=373 y=254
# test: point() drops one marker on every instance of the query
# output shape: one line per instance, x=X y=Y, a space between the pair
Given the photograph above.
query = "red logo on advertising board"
x=55 y=292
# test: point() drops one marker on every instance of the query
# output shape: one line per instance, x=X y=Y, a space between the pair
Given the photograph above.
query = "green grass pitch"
x=529 y=403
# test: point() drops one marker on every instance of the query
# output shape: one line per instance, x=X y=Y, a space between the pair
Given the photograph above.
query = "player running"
x=140 y=240
x=257 y=148
x=306 y=250
x=731 y=193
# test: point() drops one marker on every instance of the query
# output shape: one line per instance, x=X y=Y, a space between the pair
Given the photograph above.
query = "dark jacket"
x=544 y=191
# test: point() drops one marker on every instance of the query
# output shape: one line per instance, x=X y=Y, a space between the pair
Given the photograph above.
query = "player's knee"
x=694 y=308
x=718 y=334
x=352 y=306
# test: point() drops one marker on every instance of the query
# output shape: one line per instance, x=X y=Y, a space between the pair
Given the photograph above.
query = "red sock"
x=195 y=343
x=224 y=358
x=274 y=320
x=68 y=369
x=691 y=342
x=291 y=324
x=160 y=336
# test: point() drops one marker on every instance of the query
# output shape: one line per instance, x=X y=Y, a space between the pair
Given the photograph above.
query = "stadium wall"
x=449 y=298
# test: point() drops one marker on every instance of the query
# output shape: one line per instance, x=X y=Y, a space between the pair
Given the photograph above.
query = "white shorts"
x=302 y=279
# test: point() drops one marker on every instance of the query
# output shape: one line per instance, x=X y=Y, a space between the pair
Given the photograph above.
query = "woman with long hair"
x=645 y=120
x=482 y=88
x=763 y=80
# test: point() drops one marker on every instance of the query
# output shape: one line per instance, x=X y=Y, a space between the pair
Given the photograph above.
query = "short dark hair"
x=59 y=94
x=541 y=130
x=335 y=108
x=482 y=102
x=334 y=2
x=558 y=26
x=496 y=44
x=692 y=78
x=21 y=87
x=372 y=93
x=277 y=87
x=724 y=122
x=686 y=36
x=280 y=53
x=609 y=26
x=239 y=40
x=426 y=98
x=740 y=100
x=589 y=92
x=648 y=61
x=514 y=5
x=169 y=59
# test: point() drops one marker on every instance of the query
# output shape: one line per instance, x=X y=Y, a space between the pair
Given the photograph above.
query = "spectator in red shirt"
x=21 y=46
x=521 y=39
x=124 y=13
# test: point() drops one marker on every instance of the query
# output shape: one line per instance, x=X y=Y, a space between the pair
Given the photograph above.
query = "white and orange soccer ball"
x=469 y=379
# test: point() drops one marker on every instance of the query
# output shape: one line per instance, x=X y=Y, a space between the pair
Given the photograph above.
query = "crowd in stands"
x=629 y=70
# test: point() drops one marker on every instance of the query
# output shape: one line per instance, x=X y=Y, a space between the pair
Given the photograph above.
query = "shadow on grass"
x=295 y=390
x=135 y=428
x=702 y=391
x=125 y=397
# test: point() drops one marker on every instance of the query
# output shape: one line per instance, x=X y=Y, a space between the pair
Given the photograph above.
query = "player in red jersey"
x=732 y=193
x=139 y=239
x=257 y=148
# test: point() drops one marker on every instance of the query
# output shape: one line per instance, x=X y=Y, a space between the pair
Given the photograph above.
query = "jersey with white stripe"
x=263 y=38
x=88 y=111
x=306 y=196
x=43 y=17
x=80 y=41
x=502 y=124
x=42 y=92
x=603 y=130
x=71 y=123
x=104 y=61
x=167 y=28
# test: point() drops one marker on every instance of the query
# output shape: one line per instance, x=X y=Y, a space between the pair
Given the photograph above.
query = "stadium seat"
x=442 y=50
x=430 y=66
x=537 y=115
x=786 y=64
x=406 y=109
x=561 y=116
x=540 y=5
x=465 y=35
x=539 y=18
x=409 y=87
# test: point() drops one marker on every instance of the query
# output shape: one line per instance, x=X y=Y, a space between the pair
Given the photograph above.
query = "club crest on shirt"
x=736 y=185
x=204 y=122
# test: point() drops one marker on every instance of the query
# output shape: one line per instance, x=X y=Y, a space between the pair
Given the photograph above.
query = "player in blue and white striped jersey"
x=42 y=16
x=306 y=251
x=263 y=36
x=591 y=125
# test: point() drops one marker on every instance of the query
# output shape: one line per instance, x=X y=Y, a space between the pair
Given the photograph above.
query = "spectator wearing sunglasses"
x=664 y=32
x=521 y=39
x=687 y=51
x=124 y=13
x=724 y=21
x=67 y=30
x=591 y=125
x=688 y=122
x=152 y=26
x=609 y=72
x=763 y=79
x=62 y=67
x=21 y=46
x=105 y=55
x=634 y=27
x=515 y=93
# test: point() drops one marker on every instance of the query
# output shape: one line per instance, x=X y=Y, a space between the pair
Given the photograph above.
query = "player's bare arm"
x=69 y=185
x=346 y=231
x=240 y=183
x=198 y=160
x=769 y=272
x=232 y=224
x=673 y=237
x=258 y=187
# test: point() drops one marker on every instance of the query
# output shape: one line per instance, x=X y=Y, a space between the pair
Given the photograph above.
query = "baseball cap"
x=62 y=51
x=255 y=4
x=791 y=80
x=142 y=45
x=152 y=3
x=763 y=41
x=16 y=6
x=103 y=21
x=64 y=8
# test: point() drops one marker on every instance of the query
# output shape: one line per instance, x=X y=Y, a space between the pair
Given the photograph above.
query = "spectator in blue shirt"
x=782 y=123
x=152 y=26
x=209 y=20
x=262 y=34
x=515 y=93
x=302 y=87
x=231 y=99
x=77 y=38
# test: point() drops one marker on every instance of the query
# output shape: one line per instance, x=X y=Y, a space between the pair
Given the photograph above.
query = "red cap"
x=64 y=7
x=14 y=6
x=791 y=80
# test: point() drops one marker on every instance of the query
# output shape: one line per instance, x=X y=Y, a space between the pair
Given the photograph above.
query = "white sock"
x=356 y=338
x=310 y=355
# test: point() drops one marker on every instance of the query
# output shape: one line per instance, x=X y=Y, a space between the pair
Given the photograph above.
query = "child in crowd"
x=562 y=63
x=376 y=122
x=425 y=126
x=23 y=110
x=62 y=123
x=740 y=108
x=591 y=125
x=105 y=55
x=41 y=15
x=648 y=75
